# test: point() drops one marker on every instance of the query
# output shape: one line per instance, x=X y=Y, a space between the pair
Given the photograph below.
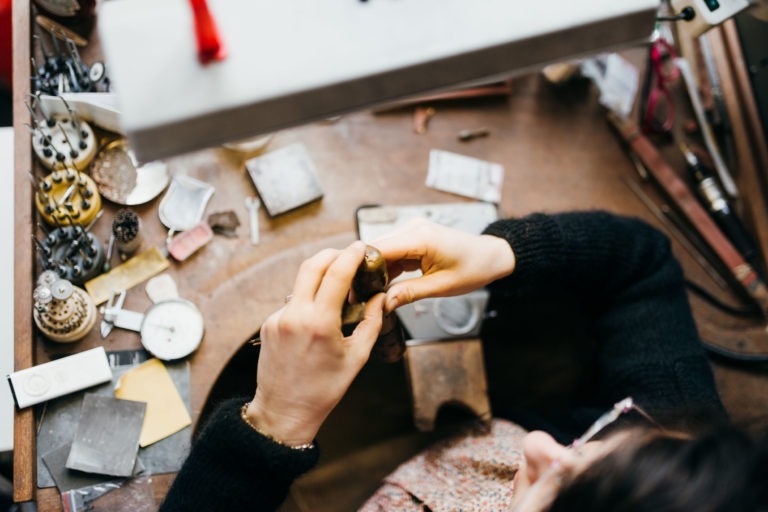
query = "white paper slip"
x=465 y=176
x=616 y=78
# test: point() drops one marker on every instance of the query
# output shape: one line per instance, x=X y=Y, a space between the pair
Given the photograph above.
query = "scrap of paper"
x=67 y=479
x=616 y=78
x=161 y=287
x=166 y=413
x=465 y=176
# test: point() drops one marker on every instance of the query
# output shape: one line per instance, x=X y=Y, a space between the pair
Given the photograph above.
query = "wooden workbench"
x=559 y=154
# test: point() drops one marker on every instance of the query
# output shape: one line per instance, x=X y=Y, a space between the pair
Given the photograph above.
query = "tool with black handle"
x=715 y=201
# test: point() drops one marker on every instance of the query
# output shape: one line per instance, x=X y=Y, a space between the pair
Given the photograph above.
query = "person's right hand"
x=452 y=262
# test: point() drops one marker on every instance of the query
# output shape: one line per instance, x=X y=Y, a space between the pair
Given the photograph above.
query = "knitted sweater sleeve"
x=624 y=270
x=232 y=467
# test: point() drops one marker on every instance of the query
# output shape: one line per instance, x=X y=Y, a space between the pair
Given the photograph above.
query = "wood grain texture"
x=748 y=145
x=744 y=84
x=23 y=427
x=447 y=373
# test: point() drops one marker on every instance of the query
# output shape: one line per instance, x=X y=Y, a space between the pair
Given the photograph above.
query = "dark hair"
x=723 y=470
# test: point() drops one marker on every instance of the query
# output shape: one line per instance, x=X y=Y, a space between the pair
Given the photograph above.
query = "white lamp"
x=293 y=61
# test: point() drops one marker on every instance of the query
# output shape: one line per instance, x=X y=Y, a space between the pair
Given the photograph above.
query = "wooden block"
x=446 y=372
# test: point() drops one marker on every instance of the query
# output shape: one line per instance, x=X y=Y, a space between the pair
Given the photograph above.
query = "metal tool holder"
x=64 y=141
x=71 y=251
x=66 y=197
x=62 y=312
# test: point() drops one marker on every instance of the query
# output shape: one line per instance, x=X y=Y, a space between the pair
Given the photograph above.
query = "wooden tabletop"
x=558 y=152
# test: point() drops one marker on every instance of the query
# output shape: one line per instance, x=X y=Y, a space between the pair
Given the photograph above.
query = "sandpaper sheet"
x=68 y=479
x=107 y=437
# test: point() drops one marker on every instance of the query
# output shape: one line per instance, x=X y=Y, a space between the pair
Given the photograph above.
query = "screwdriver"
x=714 y=199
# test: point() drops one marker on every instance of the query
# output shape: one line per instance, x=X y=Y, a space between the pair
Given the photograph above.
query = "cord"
x=732 y=355
x=717 y=350
x=687 y=14
x=745 y=312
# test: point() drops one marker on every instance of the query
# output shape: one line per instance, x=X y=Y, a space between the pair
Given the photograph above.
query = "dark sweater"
x=622 y=268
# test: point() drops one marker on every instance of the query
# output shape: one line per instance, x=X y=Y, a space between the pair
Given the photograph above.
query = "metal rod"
x=33 y=113
x=73 y=152
x=75 y=122
x=676 y=233
x=39 y=104
x=63 y=199
x=44 y=251
x=95 y=219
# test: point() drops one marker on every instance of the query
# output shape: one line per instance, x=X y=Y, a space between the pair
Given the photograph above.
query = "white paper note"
x=465 y=176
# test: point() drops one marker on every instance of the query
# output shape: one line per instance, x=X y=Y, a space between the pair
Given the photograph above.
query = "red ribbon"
x=209 y=45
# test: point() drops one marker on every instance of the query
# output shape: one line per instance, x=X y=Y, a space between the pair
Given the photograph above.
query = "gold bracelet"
x=300 y=447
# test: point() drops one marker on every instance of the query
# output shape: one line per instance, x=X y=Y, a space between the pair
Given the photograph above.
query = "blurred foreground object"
x=5 y=43
x=292 y=62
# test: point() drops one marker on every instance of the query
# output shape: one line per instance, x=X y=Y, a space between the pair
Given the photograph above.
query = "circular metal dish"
x=121 y=180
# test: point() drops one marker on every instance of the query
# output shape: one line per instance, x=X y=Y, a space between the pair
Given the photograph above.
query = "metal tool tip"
x=690 y=156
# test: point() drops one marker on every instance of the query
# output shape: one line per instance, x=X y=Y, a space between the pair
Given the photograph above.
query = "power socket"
x=709 y=13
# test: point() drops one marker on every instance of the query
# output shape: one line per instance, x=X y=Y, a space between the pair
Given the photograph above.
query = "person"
x=619 y=269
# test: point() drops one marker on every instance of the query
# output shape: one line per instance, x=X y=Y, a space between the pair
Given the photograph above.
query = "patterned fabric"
x=472 y=471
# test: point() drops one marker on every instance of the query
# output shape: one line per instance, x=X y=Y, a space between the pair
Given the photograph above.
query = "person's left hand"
x=306 y=364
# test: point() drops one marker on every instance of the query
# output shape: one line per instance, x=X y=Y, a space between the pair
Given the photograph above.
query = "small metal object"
x=97 y=71
x=73 y=152
x=75 y=119
x=61 y=289
x=126 y=228
x=44 y=250
x=122 y=180
x=49 y=120
x=34 y=115
x=642 y=171
x=253 y=204
x=470 y=135
x=65 y=198
x=184 y=203
x=75 y=56
x=95 y=219
x=47 y=278
x=108 y=259
x=603 y=421
x=42 y=294
x=45 y=139
x=35 y=184
x=371 y=276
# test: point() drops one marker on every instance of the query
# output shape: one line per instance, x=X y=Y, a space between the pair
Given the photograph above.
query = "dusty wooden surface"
x=558 y=152
x=447 y=373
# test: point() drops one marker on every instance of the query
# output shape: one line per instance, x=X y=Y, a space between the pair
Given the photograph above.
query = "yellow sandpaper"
x=166 y=413
x=127 y=275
